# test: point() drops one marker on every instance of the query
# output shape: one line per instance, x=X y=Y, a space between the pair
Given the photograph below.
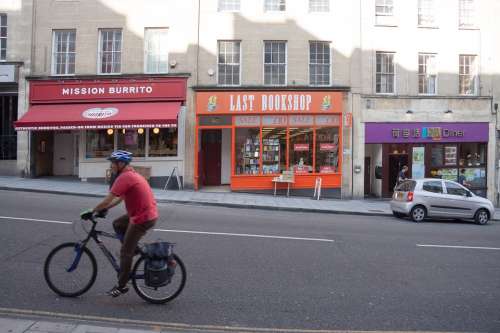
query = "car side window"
x=434 y=186
x=455 y=189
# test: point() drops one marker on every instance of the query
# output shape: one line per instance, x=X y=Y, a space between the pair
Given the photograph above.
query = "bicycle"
x=70 y=269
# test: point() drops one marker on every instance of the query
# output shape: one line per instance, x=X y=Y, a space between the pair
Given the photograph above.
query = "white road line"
x=34 y=220
x=460 y=247
x=246 y=235
x=183 y=231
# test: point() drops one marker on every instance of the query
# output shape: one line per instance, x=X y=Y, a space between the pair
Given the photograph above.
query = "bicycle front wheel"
x=159 y=295
x=70 y=270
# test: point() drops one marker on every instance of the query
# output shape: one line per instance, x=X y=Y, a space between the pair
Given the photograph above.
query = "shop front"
x=452 y=151
x=246 y=138
x=77 y=123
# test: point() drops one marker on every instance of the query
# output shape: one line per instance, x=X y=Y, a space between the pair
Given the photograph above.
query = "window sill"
x=382 y=25
x=109 y=73
x=427 y=27
x=468 y=28
x=62 y=75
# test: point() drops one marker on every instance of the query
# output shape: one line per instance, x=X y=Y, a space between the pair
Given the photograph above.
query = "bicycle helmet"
x=120 y=156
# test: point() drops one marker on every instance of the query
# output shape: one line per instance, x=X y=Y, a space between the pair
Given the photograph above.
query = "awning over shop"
x=99 y=116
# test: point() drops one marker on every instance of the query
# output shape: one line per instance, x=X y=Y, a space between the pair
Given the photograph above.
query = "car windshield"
x=406 y=186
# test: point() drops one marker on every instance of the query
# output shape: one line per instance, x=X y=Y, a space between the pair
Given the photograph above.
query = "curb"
x=216 y=204
x=205 y=203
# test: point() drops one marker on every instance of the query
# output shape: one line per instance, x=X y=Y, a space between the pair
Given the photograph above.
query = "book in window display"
x=249 y=157
x=271 y=155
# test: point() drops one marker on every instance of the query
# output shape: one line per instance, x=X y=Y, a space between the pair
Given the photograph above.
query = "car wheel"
x=482 y=217
x=398 y=215
x=418 y=213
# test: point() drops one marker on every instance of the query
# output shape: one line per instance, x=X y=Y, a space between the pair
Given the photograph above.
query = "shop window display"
x=472 y=154
x=301 y=150
x=247 y=151
x=327 y=150
x=273 y=150
x=132 y=140
x=162 y=142
x=100 y=143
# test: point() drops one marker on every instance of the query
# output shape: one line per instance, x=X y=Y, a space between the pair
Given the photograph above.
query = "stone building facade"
x=388 y=65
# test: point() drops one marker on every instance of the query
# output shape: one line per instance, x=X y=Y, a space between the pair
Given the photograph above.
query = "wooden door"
x=44 y=154
x=211 y=145
x=367 y=175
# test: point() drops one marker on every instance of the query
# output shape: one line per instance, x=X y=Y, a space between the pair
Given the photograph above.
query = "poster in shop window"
x=418 y=164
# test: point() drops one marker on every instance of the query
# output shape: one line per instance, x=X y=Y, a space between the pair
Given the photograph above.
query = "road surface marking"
x=246 y=235
x=460 y=247
x=156 y=326
x=184 y=231
x=35 y=220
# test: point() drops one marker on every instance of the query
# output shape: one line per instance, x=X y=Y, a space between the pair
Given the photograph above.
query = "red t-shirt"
x=137 y=194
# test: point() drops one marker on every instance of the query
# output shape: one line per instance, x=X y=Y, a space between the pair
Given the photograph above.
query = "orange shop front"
x=244 y=139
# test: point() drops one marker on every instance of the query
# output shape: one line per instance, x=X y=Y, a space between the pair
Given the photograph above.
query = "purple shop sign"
x=425 y=132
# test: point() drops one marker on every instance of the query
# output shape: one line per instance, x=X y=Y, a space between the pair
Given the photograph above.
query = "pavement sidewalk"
x=42 y=325
x=373 y=207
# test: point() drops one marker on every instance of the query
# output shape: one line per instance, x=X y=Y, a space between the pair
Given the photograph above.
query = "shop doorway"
x=44 y=153
x=396 y=162
x=210 y=159
x=64 y=154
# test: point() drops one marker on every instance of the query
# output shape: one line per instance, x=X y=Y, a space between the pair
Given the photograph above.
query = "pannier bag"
x=157 y=272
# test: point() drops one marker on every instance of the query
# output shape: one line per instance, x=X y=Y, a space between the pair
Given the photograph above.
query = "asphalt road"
x=325 y=272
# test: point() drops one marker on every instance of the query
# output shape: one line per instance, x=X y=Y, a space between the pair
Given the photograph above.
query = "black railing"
x=8 y=147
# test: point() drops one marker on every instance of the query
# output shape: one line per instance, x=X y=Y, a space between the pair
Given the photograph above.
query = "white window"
x=274 y=5
x=427 y=74
x=466 y=13
x=384 y=7
x=319 y=63
x=274 y=63
x=110 y=51
x=229 y=5
x=426 y=12
x=468 y=78
x=319 y=6
x=155 y=50
x=228 y=63
x=63 y=52
x=385 y=74
x=3 y=36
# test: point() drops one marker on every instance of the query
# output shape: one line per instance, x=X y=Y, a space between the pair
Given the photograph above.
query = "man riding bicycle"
x=141 y=216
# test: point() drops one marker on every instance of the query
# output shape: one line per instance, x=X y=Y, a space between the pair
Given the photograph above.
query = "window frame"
x=54 y=53
x=100 y=51
x=264 y=63
x=475 y=75
x=421 y=10
x=239 y=63
x=146 y=54
x=146 y=156
x=328 y=3
x=228 y=10
x=426 y=74
x=393 y=74
x=384 y=5
x=330 y=61
x=4 y=38
x=470 y=22
x=266 y=4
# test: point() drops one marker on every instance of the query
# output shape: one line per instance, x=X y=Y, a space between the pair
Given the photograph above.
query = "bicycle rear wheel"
x=159 y=295
x=70 y=270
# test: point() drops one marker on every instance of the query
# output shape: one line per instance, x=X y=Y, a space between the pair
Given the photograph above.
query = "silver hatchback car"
x=431 y=197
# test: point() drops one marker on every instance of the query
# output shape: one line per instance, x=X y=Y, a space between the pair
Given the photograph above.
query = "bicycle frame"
x=94 y=234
